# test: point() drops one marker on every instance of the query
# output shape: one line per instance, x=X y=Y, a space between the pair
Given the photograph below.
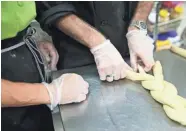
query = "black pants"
x=18 y=65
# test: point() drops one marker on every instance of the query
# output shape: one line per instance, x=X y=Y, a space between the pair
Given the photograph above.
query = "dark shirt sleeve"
x=48 y=12
x=131 y=8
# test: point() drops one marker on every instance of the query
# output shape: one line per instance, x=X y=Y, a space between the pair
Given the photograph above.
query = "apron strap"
x=12 y=47
x=33 y=47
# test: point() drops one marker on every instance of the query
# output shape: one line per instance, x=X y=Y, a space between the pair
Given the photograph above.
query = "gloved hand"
x=68 y=88
x=110 y=64
x=140 y=46
x=50 y=54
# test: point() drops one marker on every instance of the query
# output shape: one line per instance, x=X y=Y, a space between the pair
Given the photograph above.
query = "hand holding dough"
x=163 y=92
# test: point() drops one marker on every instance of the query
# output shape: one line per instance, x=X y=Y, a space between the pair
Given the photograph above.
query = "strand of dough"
x=178 y=50
x=163 y=92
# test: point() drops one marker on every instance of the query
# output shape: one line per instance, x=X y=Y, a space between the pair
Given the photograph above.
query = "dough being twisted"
x=165 y=93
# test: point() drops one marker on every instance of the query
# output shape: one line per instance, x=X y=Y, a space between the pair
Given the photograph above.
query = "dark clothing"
x=18 y=65
x=110 y=18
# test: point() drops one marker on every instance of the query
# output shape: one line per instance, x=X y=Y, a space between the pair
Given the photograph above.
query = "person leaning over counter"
x=25 y=94
x=100 y=32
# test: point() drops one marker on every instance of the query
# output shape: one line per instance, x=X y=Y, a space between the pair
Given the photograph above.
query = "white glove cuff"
x=106 y=42
x=52 y=105
x=135 y=32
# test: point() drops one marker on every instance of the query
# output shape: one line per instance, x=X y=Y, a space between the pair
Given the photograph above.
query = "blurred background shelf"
x=168 y=21
x=167 y=26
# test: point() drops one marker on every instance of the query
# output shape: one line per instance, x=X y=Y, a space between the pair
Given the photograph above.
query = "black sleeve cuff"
x=49 y=17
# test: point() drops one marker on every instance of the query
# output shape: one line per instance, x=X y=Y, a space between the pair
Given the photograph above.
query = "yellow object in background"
x=161 y=45
x=179 y=9
x=164 y=15
x=177 y=12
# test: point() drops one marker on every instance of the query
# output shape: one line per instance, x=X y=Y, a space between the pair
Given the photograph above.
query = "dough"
x=138 y=77
x=163 y=92
x=179 y=51
x=178 y=115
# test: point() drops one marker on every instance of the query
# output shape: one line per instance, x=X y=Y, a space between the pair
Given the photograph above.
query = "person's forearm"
x=16 y=94
x=80 y=31
x=142 y=11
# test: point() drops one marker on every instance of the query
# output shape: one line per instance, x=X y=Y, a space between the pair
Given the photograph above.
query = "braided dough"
x=163 y=92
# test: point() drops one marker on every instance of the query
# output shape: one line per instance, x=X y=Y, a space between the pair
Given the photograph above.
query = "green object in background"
x=15 y=17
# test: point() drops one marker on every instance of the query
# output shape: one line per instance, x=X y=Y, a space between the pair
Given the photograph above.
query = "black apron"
x=18 y=65
x=111 y=18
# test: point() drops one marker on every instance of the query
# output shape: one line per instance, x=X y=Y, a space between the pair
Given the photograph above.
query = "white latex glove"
x=50 y=54
x=110 y=64
x=140 y=46
x=68 y=88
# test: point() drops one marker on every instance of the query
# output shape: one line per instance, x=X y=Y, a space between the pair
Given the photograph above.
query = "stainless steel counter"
x=122 y=105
